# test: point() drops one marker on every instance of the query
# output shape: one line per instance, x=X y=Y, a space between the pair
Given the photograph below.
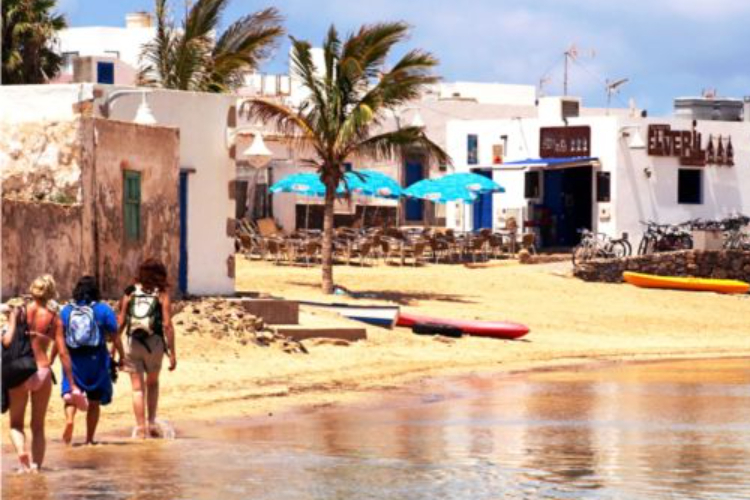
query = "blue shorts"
x=91 y=373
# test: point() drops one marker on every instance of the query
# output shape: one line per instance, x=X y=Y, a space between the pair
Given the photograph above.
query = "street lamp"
x=143 y=114
x=258 y=155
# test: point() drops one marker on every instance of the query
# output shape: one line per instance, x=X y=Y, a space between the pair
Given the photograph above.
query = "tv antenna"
x=543 y=82
x=572 y=55
x=612 y=88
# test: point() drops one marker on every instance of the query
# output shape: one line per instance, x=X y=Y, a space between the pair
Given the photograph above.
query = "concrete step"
x=273 y=311
x=301 y=332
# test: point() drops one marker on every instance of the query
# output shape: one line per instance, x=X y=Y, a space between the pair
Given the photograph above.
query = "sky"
x=666 y=48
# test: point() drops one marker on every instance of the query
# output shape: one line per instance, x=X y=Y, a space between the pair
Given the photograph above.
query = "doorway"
x=483 y=206
x=567 y=205
x=413 y=209
x=183 y=268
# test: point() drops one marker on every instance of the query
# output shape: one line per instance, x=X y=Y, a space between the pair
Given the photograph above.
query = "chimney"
x=138 y=20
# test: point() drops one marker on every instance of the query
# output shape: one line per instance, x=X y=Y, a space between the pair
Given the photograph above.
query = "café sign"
x=687 y=145
x=565 y=142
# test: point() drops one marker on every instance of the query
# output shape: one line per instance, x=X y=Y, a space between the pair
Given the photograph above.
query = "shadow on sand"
x=398 y=297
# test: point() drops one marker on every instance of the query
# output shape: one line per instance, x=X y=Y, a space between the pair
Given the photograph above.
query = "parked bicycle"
x=665 y=238
x=735 y=236
x=600 y=246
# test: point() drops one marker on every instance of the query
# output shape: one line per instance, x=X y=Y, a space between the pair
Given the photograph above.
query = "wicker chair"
x=528 y=242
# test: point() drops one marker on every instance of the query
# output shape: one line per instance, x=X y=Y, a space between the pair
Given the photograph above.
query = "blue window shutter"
x=105 y=73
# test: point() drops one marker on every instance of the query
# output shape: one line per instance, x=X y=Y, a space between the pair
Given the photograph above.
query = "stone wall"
x=64 y=215
x=41 y=161
x=723 y=264
x=40 y=238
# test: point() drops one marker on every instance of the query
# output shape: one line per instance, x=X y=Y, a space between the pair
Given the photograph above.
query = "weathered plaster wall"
x=40 y=161
x=39 y=238
x=154 y=152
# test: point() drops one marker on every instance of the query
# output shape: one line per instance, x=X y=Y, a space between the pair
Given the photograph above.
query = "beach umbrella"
x=304 y=183
x=473 y=182
x=372 y=184
x=440 y=192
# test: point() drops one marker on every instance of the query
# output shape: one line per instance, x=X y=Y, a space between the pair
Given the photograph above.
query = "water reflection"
x=672 y=430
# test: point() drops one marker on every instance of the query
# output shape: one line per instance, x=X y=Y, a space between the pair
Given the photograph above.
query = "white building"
x=568 y=169
x=105 y=54
x=207 y=169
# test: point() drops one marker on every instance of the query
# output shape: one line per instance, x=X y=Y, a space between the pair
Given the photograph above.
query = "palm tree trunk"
x=327 y=250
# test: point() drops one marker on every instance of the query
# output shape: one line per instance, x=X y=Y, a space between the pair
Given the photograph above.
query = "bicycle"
x=600 y=246
x=665 y=238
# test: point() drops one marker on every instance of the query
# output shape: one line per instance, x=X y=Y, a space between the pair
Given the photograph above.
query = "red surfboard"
x=493 y=329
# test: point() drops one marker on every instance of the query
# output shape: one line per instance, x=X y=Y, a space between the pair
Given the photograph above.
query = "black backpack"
x=18 y=358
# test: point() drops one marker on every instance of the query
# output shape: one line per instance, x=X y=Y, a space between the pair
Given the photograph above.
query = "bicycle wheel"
x=619 y=249
x=628 y=247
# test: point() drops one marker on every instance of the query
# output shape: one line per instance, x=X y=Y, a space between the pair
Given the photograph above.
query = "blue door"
x=414 y=208
x=183 y=271
x=483 y=206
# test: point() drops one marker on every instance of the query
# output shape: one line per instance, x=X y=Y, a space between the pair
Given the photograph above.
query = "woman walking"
x=146 y=319
x=39 y=325
x=88 y=324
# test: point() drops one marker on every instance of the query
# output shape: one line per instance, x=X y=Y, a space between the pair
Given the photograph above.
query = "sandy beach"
x=571 y=322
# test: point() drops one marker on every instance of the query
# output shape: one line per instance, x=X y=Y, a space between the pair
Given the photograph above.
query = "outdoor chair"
x=389 y=246
x=478 y=247
x=311 y=251
x=439 y=247
x=415 y=251
x=277 y=249
x=497 y=245
x=528 y=242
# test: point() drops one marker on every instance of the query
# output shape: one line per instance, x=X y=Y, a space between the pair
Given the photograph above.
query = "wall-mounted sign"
x=565 y=142
x=497 y=154
x=687 y=145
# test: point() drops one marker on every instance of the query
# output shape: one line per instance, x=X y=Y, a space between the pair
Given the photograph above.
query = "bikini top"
x=32 y=324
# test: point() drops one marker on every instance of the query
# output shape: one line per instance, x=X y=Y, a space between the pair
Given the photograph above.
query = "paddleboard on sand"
x=680 y=283
x=493 y=329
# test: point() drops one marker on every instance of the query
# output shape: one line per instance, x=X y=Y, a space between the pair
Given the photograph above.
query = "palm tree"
x=349 y=100
x=193 y=57
x=29 y=29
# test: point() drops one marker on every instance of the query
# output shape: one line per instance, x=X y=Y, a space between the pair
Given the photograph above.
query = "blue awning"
x=552 y=163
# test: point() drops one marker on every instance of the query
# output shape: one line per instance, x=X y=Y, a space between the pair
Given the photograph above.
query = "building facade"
x=202 y=186
x=599 y=171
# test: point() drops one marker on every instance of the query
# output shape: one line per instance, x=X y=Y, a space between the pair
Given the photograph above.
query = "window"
x=68 y=59
x=689 y=186
x=532 y=182
x=472 y=149
x=603 y=187
x=105 y=72
x=348 y=167
x=131 y=200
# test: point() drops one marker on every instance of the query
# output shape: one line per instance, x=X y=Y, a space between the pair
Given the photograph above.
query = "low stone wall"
x=723 y=264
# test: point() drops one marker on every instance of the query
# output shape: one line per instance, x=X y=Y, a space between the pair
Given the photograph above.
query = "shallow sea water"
x=676 y=430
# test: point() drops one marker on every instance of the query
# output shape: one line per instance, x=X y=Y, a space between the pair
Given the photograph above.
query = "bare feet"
x=138 y=433
x=67 y=436
x=25 y=461
x=154 y=430
x=91 y=442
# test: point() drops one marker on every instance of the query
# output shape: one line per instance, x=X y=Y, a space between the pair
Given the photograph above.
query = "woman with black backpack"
x=88 y=324
x=27 y=373
x=146 y=319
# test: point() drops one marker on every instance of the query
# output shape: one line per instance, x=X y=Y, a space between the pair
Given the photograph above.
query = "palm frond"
x=395 y=144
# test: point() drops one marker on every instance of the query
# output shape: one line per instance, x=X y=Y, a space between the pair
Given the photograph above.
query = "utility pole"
x=569 y=55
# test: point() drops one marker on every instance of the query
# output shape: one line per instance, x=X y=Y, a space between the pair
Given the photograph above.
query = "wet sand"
x=571 y=322
x=663 y=430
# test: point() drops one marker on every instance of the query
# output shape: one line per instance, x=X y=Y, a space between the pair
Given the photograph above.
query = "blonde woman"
x=41 y=323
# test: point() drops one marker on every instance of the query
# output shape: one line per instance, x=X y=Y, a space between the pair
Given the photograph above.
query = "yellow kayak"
x=679 y=283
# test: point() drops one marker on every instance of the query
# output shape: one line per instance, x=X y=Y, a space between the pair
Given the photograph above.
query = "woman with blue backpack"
x=88 y=324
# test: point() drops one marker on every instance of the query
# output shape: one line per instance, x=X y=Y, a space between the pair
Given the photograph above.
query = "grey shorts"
x=138 y=359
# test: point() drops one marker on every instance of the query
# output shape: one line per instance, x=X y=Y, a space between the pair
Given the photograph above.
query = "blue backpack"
x=82 y=329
